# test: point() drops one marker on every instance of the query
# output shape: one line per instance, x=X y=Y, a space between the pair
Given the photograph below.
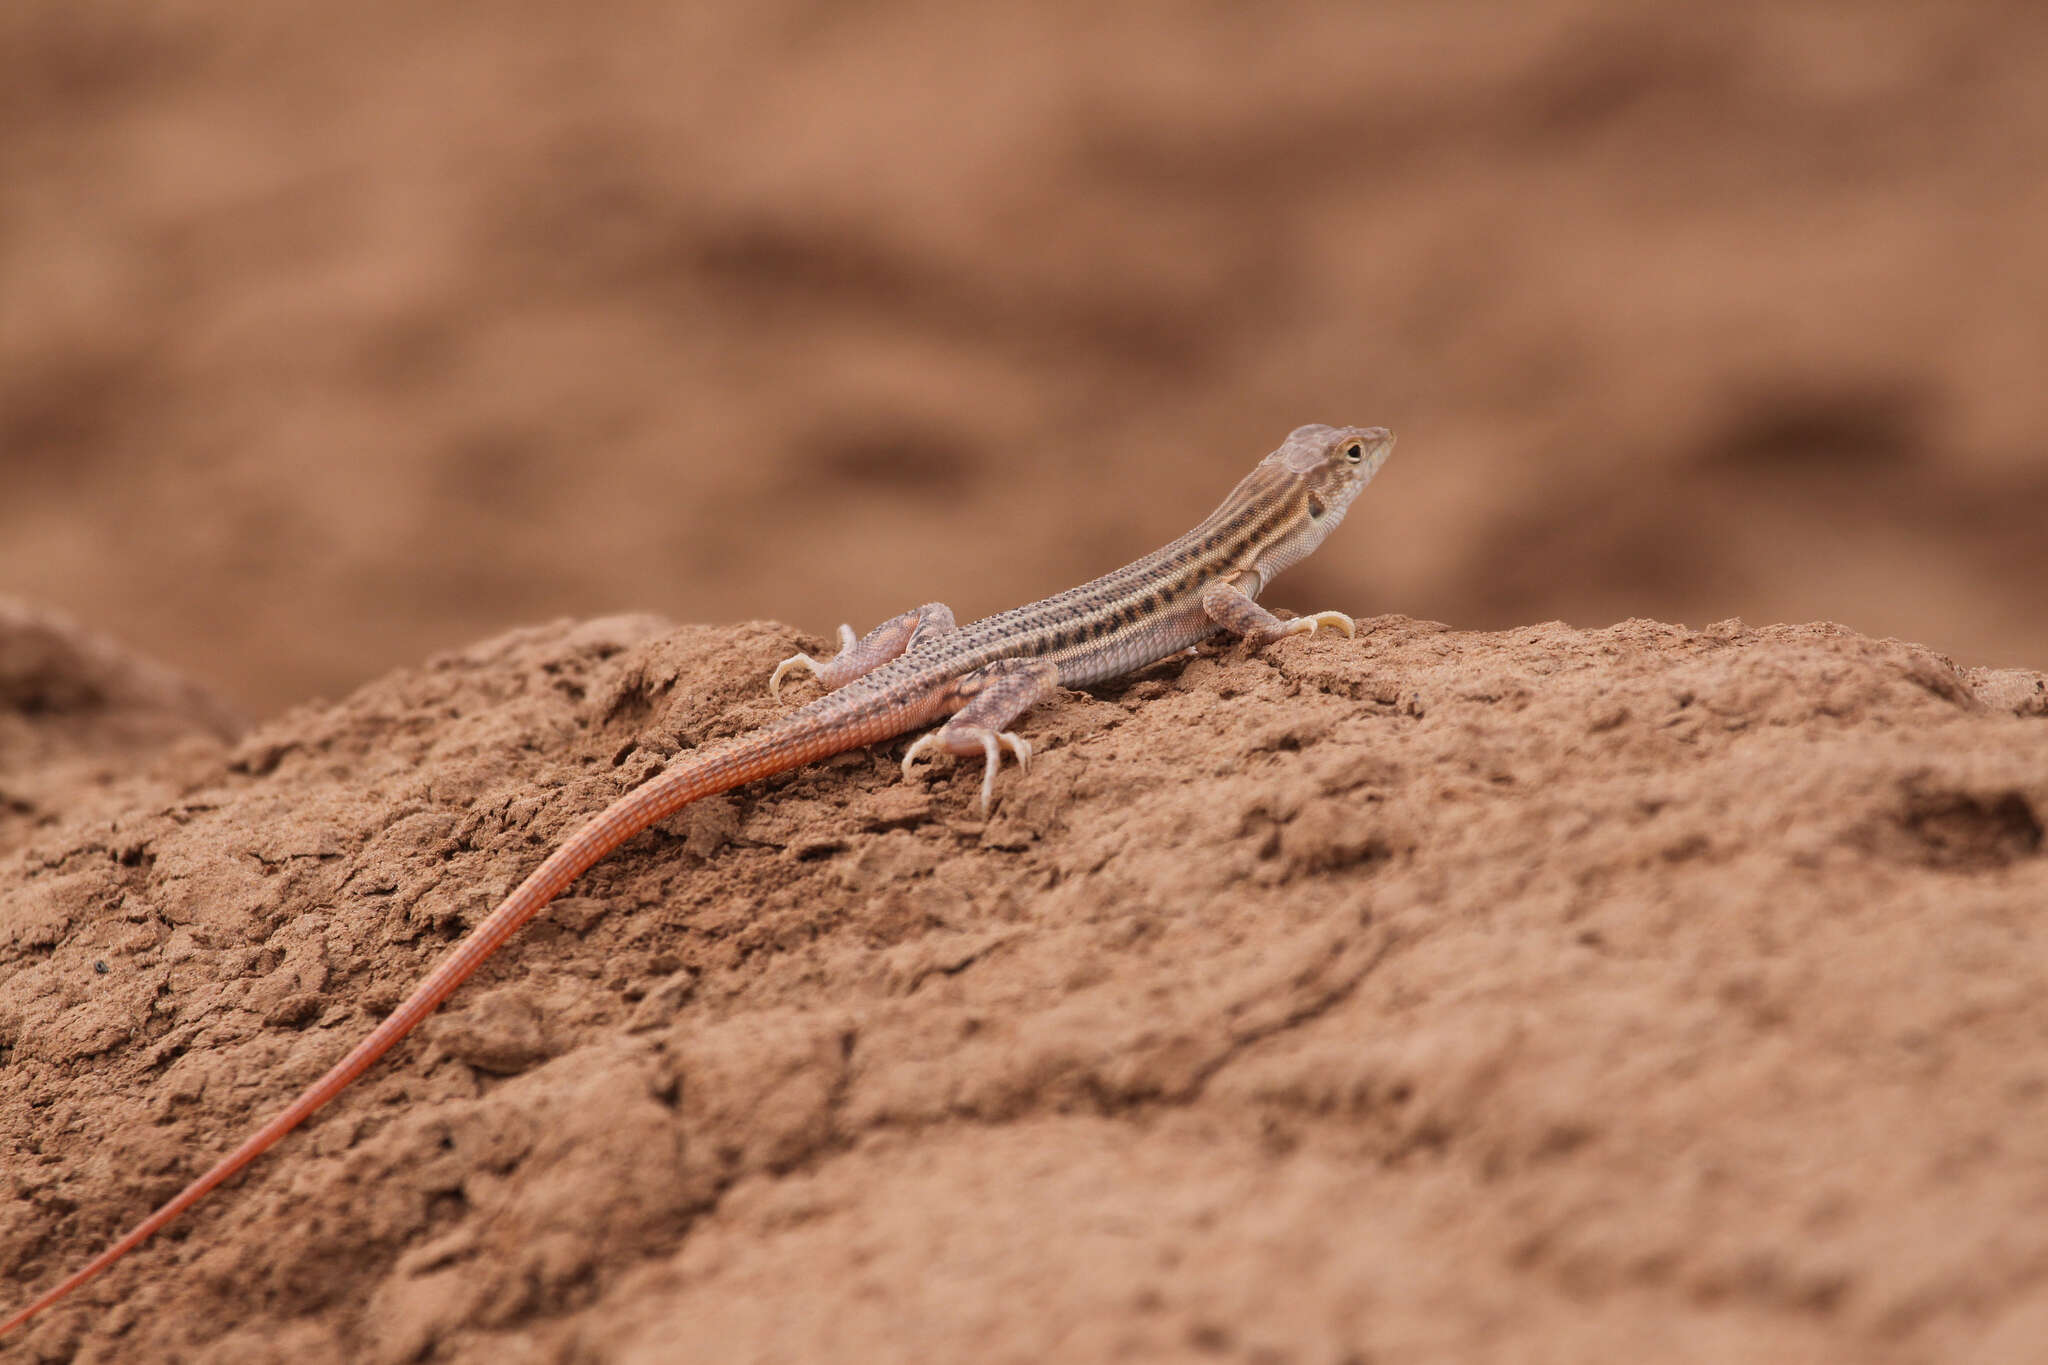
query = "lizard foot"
x=1335 y=620
x=967 y=740
x=805 y=661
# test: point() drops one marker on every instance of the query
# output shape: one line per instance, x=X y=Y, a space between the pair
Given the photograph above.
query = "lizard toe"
x=916 y=750
x=793 y=662
x=1336 y=620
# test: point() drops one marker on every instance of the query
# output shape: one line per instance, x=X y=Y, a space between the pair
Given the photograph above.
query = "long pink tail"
x=771 y=750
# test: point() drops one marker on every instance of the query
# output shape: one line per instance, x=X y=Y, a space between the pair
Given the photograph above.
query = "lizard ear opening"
x=1302 y=457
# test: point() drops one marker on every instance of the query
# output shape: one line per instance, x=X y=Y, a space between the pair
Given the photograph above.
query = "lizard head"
x=1333 y=464
x=1314 y=476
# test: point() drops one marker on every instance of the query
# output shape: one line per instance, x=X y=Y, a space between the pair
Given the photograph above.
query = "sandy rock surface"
x=1639 y=993
x=77 y=710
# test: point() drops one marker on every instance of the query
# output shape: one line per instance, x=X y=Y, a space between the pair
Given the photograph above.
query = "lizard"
x=908 y=673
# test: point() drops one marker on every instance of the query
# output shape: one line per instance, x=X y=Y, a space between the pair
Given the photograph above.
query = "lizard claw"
x=916 y=750
x=847 y=640
x=992 y=746
x=794 y=661
x=1335 y=620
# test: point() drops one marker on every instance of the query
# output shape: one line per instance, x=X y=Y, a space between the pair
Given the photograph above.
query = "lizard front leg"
x=857 y=658
x=1232 y=608
x=994 y=697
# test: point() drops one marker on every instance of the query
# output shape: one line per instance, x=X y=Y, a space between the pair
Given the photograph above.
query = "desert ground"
x=419 y=424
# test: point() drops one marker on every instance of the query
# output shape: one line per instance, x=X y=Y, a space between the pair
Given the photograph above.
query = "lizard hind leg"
x=991 y=698
x=859 y=657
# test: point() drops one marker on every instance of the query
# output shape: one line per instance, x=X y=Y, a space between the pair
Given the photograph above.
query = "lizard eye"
x=1354 y=452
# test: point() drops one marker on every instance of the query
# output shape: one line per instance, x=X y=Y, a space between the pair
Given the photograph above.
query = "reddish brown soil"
x=1641 y=993
x=1625 y=992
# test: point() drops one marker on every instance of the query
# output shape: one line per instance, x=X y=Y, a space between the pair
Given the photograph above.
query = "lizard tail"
x=769 y=750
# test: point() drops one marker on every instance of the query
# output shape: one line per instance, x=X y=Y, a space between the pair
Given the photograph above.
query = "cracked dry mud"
x=1637 y=993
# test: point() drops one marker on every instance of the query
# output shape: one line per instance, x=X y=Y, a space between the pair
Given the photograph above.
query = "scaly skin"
x=905 y=674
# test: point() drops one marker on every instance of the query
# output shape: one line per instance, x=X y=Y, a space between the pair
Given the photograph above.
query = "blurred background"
x=332 y=335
